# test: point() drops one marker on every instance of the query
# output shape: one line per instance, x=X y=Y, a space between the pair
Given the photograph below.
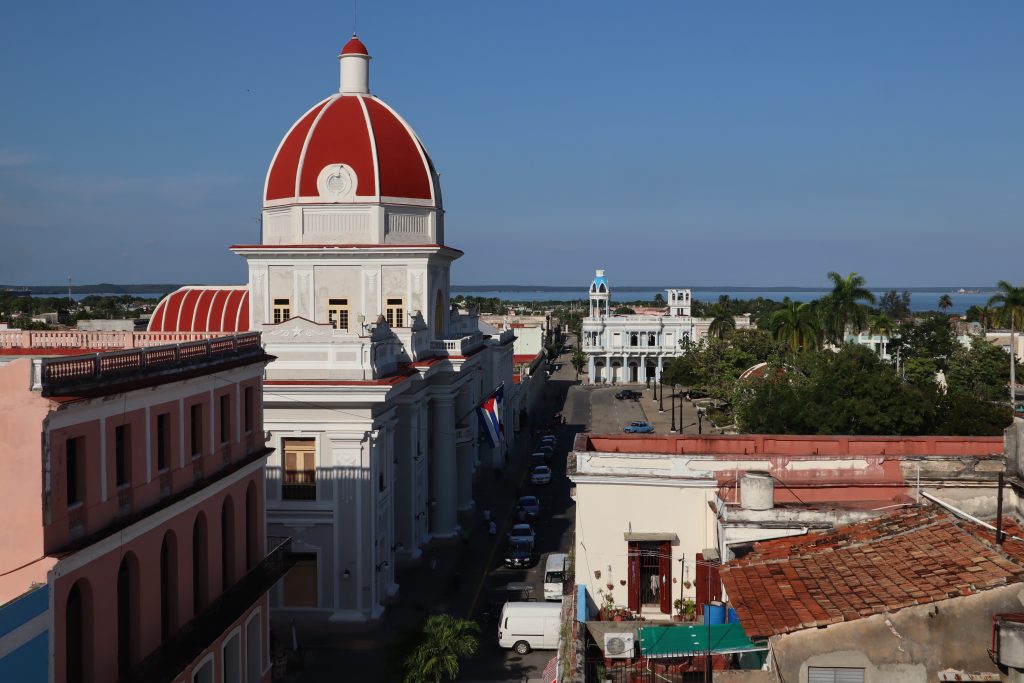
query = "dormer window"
x=394 y=313
x=337 y=313
x=282 y=310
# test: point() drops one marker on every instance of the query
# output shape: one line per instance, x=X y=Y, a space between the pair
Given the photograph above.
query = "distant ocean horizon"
x=924 y=299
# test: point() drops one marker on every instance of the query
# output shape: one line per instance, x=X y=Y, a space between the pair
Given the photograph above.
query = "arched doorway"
x=168 y=586
x=127 y=613
x=227 y=543
x=634 y=373
x=598 y=371
x=616 y=371
x=252 y=527
x=200 y=575
x=78 y=633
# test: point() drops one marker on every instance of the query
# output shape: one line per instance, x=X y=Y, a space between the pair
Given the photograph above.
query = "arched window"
x=168 y=586
x=227 y=544
x=127 y=614
x=651 y=340
x=200 y=582
x=634 y=339
x=77 y=633
x=252 y=527
x=602 y=288
x=439 y=315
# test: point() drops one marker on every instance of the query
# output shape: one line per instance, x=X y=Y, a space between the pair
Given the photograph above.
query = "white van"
x=554 y=576
x=526 y=626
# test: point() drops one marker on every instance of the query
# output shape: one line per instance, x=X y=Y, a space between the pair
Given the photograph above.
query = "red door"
x=709 y=585
x=665 y=577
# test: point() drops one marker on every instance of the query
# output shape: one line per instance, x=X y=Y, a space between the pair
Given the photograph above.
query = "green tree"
x=796 y=326
x=945 y=302
x=579 y=360
x=623 y=310
x=659 y=300
x=931 y=338
x=896 y=304
x=721 y=324
x=978 y=371
x=883 y=326
x=845 y=305
x=1009 y=300
x=446 y=640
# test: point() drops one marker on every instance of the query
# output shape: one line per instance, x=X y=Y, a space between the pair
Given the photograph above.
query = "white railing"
x=80 y=339
x=456 y=347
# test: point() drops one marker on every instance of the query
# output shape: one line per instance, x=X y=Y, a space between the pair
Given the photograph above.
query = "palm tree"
x=796 y=325
x=578 y=360
x=445 y=641
x=721 y=324
x=986 y=316
x=882 y=325
x=845 y=307
x=945 y=302
x=1009 y=301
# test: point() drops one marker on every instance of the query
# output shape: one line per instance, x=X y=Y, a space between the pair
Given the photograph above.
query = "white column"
x=443 y=473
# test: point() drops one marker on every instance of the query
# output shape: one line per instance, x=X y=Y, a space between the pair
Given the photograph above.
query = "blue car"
x=639 y=427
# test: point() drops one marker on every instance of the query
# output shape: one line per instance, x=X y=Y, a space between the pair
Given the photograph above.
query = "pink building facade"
x=140 y=504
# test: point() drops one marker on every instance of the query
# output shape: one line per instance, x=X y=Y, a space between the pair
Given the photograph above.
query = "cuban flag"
x=489 y=413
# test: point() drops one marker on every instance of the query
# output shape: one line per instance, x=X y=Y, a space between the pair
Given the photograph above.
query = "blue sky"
x=713 y=143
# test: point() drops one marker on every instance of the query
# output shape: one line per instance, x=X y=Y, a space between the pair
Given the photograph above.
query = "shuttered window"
x=299 y=477
x=820 y=674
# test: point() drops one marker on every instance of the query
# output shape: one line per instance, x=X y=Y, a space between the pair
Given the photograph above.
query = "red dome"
x=365 y=137
x=354 y=47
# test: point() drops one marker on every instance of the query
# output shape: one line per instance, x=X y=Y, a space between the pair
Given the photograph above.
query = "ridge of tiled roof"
x=911 y=557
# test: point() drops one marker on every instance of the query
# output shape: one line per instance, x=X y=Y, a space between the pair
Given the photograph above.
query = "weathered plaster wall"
x=909 y=646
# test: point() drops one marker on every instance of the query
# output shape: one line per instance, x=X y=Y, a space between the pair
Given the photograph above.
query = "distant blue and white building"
x=25 y=637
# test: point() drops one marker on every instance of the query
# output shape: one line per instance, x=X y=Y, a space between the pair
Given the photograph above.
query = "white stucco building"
x=370 y=401
x=632 y=348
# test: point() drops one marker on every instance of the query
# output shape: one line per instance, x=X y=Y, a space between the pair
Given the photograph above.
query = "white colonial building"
x=370 y=403
x=635 y=347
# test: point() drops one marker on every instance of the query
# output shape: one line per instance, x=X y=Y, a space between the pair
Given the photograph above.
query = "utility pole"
x=672 y=399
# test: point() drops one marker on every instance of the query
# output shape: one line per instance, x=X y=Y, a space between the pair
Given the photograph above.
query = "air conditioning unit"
x=618 y=645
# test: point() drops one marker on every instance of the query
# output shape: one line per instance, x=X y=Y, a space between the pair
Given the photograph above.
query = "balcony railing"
x=168 y=662
x=298 y=485
x=51 y=375
x=459 y=346
x=82 y=339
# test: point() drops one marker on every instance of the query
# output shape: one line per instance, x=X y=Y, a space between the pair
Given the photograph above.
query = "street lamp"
x=672 y=399
x=661 y=396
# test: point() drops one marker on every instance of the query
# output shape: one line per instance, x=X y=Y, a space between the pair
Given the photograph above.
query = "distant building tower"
x=599 y=295
x=679 y=302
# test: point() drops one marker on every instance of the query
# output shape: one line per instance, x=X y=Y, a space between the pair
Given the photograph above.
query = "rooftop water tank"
x=1010 y=648
x=757 y=491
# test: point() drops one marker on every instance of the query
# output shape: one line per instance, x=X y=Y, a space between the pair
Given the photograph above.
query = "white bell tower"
x=600 y=295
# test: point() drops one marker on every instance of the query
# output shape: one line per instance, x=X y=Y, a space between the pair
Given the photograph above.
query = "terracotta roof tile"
x=914 y=556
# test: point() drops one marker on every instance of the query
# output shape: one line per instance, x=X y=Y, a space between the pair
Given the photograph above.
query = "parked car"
x=538 y=458
x=520 y=554
x=521 y=532
x=639 y=427
x=547 y=450
x=628 y=395
x=548 y=440
x=525 y=626
x=541 y=474
x=530 y=505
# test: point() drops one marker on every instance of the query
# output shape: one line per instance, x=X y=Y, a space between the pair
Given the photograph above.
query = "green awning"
x=684 y=640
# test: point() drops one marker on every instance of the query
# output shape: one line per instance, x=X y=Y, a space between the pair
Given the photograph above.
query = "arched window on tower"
x=602 y=288
x=439 y=315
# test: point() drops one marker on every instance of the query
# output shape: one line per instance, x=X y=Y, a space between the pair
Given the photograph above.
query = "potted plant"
x=607 y=610
x=678 y=605
x=689 y=610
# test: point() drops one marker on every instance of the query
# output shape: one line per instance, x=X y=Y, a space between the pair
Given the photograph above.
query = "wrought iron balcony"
x=169 y=660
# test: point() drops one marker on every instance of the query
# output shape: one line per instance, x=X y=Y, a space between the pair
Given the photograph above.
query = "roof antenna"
x=355 y=13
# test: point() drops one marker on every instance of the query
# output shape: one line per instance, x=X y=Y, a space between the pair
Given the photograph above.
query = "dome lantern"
x=354 y=62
